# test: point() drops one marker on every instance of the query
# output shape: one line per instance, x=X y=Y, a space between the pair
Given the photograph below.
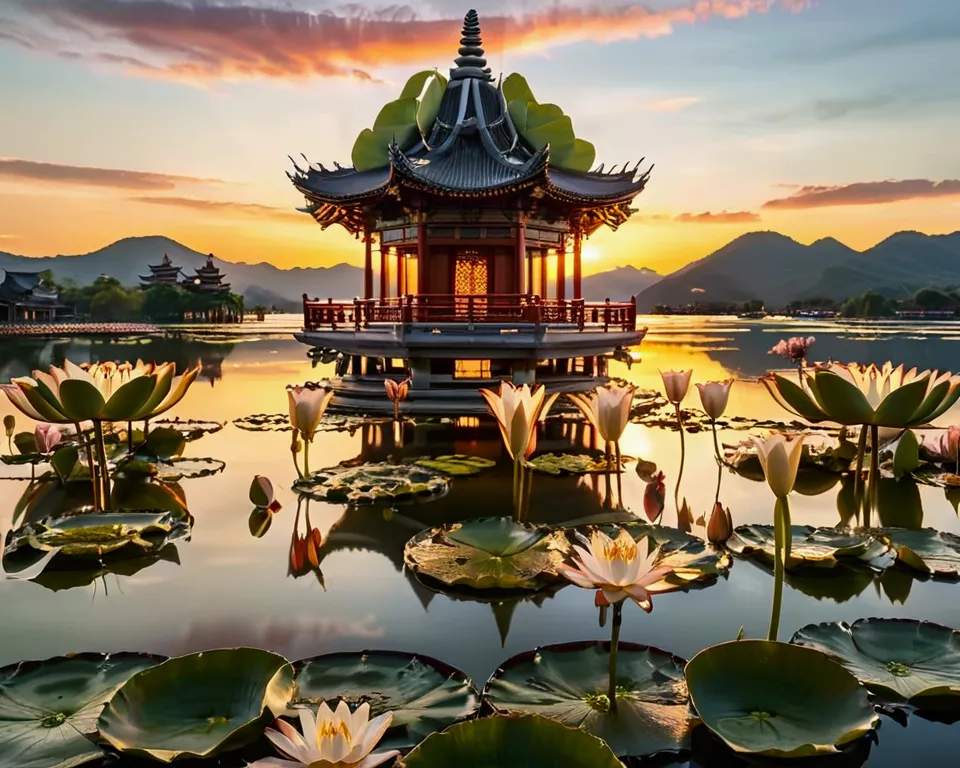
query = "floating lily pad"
x=934 y=553
x=280 y=422
x=490 y=553
x=900 y=660
x=49 y=709
x=198 y=705
x=812 y=547
x=693 y=562
x=264 y=422
x=191 y=429
x=511 y=742
x=373 y=483
x=457 y=465
x=425 y=695
x=777 y=699
x=574 y=464
x=569 y=683
x=172 y=470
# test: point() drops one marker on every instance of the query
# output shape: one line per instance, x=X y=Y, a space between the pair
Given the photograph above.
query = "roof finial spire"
x=470 y=62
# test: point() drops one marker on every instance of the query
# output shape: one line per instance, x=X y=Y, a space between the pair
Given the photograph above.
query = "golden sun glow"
x=590 y=253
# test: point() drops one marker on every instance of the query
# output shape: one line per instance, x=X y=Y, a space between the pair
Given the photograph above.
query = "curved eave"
x=343 y=186
x=595 y=187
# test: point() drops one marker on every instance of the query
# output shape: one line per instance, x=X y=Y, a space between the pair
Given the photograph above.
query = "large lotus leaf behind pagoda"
x=543 y=124
x=405 y=121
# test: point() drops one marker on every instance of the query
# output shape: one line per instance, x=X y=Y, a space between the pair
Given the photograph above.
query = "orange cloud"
x=197 y=39
x=29 y=170
x=218 y=206
x=866 y=193
x=724 y=217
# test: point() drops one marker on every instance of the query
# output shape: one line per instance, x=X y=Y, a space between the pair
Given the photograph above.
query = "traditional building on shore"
x=208 y=279
x=164 y=273
x=25 y=298
x=475 y=199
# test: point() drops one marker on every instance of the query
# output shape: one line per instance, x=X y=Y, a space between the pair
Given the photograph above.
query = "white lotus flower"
x=329 y=739
x=676 y=384
x=616 y=567
x=307 y=406
x=517 y=411
x=714 y=396
x=780 y=457
x=608 y=409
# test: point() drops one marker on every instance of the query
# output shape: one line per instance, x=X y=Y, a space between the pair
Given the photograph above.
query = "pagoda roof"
x=472 y=150
x=26 y=287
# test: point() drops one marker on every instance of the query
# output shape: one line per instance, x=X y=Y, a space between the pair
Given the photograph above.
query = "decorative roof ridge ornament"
x=470 y=62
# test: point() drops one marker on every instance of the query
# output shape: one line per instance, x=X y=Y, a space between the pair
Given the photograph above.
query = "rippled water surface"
x=226 y=588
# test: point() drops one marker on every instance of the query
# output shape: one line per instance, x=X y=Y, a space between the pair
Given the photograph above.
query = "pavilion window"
x=470 y=233
x=471 y=369
x=442 y=232
x=499 y=233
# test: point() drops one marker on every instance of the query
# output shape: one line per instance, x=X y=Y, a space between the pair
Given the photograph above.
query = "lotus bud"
x=720 y=526
x=47 y=437
x=10 y=424
x=676 y=384
x=653 y=497
x=262 y=495
x=295 y=444
x=714 y=396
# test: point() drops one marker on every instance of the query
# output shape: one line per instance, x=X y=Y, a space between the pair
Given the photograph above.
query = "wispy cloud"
x=202 y=40
x=866 y=193
x=723 y=217
x=254 y=210
x=671 y=104
x=30 y=170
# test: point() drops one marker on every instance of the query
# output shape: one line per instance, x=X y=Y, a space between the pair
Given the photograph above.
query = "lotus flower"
x=395 y=393
x=47 y=437
x=262 y=494
x=780 y=458
x=608 y=409
x=855 y=394
x=720 y=524
x=714 y=396
x=947 y=447
x=99 y=392
x=330 y=739
x=653 y=497
x=307 y=406
x=676 y=384
x=616 y=568
x=793 y=349
x=517 y=411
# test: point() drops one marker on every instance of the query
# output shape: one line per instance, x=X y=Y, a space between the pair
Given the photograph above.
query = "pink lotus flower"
x=47 y=437
x=947 y=447
x=794 y=348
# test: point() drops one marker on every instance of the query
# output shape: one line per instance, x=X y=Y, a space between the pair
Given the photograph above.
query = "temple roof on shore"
x=471 y=149
x=26 y=287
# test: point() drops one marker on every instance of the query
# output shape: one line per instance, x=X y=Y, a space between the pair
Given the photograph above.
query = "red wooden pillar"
x=521 y=248
x=401 y=273
x=544 y=253
x=421 y=254
x=368 y=265
x=383 y=272
x=577 y=276
x=562 y=269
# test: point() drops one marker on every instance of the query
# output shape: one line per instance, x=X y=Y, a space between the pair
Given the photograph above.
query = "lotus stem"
x=614 y=643
x=716 y=497
x=874 y=474
x=800 y=373
x=683 y=452
x=616 y=446
x=858 y=477
x=10 y=444
x=782 y=535
x=306 y=457
x=146 y=429
x=716 y=443
x=93 y=472
x=102 y=461
x=527 y=491
x=517 y=485
x=130 y=437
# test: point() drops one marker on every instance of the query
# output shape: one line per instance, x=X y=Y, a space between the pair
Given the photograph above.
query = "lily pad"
x=812 y=547
x=172 y=470
x=191 y=429
x=457 y=465
x=264 y=422
x=511 y=742
x=425 y=695
x=198 y=705
x=373 y=483
x=490 y=553
x=776 y=699
x=569 y=682
x=49 y=709
x=900 y=660
x=573 y=464
x=933 y=553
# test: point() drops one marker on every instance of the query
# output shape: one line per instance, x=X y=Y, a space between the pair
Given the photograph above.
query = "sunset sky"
x=175 y=117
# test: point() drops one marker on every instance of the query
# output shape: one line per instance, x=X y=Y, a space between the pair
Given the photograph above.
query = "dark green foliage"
x=870 y=304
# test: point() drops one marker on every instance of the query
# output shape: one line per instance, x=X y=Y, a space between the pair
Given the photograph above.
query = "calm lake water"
x=230 y=588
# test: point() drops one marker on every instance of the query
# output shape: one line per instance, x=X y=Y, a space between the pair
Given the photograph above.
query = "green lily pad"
x=812 y=547
x=191 y=429
x=374 y=483
x=172 y=470
x=693 y=561
x=931 y=552
x=456 y=465
x=425 y=695
x=900 y=660
x=776 y=699
x=511 y=742
x=490 y=553
x=573 y=464
x=198 y=705
x=569 y=683
x=49 y=709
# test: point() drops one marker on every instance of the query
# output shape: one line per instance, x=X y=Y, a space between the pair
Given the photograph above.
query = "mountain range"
x=264 y=283
x=777 y=270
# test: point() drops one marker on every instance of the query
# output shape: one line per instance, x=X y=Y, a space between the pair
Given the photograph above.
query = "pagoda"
x=474 y=199
x=208 y=279
x=163 y=273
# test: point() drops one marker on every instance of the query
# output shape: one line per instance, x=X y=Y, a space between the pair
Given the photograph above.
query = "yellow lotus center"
x=621 y=549
x=330 y=728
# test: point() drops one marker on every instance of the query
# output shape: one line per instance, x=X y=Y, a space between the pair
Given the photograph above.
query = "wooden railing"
x=479 y=308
